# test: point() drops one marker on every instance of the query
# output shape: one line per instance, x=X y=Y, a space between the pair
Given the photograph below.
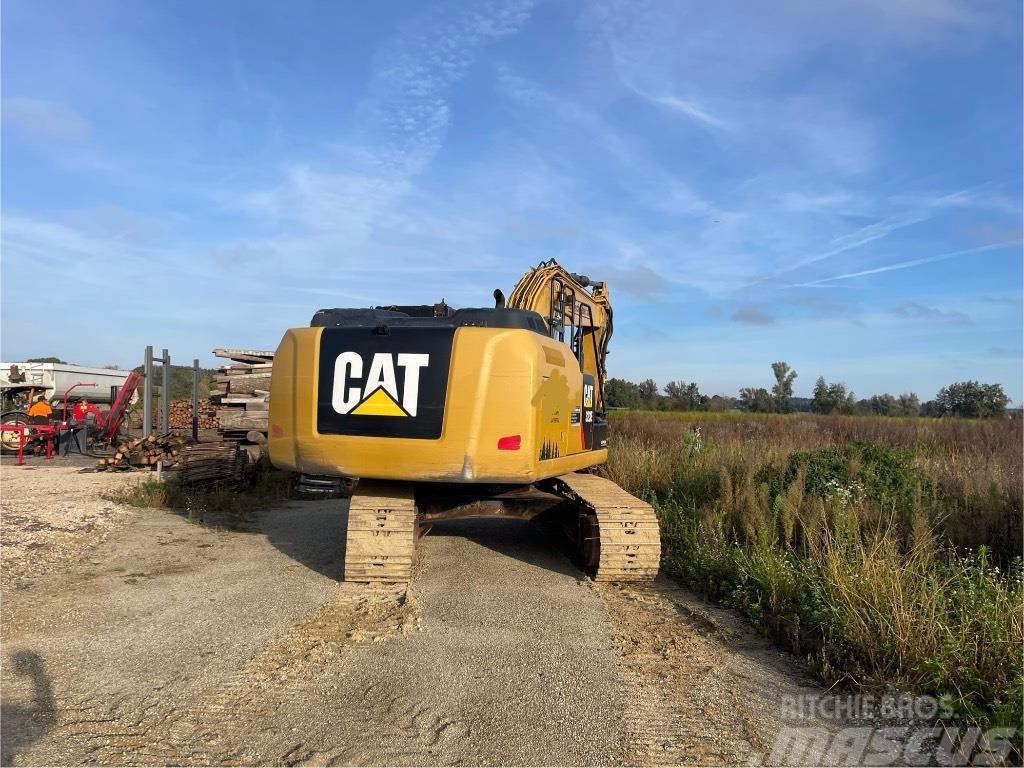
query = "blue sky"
x=833 y=184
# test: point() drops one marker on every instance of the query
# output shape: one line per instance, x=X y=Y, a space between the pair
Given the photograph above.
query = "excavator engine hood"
x=479 y=396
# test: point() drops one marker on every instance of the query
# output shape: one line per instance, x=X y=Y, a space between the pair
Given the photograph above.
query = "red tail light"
x=509 y=443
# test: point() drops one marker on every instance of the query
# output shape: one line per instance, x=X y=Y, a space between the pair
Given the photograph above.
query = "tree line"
x=966 y=399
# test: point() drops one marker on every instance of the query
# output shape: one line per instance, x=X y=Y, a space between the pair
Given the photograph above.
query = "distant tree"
x=756 y=400
x=833 y=398
x=112 y=367
x=972 y=400
x=684 y=397
x=843 y=401
x=883 y=405
x=932 y=409
x=909 y=404
x=649 y=393
x=719 y=403
x=46 y=360
x=619 y=393
x=782 y=392
x=819 y=402
x=181 y=381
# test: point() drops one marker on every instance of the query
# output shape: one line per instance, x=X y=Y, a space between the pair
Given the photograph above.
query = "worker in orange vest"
x=40 y=411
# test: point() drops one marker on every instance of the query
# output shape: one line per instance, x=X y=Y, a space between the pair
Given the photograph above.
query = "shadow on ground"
x=516 y=539
x=309 y=532
x=24 y=724
x=313 y=533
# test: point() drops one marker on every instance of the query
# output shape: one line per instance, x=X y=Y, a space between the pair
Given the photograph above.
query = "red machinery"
x=102 y=431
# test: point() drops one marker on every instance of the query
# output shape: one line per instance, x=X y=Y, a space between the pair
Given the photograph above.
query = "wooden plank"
x=244 y=355
x=226 y=379
x=239 y=419
x=242 y=370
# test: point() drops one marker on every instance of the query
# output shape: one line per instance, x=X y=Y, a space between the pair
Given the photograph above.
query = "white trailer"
x=53 y=380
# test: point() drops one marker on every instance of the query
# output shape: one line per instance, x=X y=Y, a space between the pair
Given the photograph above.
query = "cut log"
x=240 y=419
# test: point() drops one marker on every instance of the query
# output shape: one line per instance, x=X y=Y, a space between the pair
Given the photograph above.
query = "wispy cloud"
x=911 y=310
x=38 y=118
x=753 y=316
x=399 y=127
x=413 y=74
x=693 y=110
x=639 y=280
x=923 y=211
x=909 y=264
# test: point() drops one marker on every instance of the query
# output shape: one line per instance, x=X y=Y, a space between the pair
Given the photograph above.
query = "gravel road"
x=166 y=642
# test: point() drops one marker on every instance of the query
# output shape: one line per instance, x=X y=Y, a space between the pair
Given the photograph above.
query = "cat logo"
x=588 y=395
x=378 y=394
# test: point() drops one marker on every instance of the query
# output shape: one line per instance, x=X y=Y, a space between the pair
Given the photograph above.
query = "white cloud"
x=399 y=129
x=910 y=263
x=693 y=110
x=38 y=118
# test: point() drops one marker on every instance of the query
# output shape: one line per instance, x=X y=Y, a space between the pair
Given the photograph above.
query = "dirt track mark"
x=242 y=648
x=701 y=689
x=227 y=722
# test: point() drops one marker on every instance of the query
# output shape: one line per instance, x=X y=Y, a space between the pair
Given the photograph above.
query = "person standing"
x=82 y=408
x=40 y=411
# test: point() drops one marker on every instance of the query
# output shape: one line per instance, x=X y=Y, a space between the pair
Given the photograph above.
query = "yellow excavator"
x=444 y=413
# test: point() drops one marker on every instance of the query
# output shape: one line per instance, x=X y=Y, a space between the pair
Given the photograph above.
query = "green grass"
x=885 y=551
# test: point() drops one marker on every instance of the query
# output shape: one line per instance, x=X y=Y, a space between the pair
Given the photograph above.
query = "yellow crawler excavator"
x=446 y=413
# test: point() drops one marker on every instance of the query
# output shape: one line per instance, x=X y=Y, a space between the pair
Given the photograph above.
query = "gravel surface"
x=51 y=514
x=167 y=643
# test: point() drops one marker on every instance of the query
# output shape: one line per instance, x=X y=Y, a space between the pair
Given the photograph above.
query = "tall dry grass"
x=886 y=550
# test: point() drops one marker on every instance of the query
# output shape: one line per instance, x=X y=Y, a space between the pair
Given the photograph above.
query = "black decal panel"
x=588 y=413
x=374 y=383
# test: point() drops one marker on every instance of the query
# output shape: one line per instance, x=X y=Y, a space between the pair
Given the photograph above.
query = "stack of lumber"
x=223 y=462
x=243 y=392
x=145 y=452
x=181 y=415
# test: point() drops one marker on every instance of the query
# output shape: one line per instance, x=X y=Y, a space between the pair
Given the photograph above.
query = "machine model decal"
x=587 y=432
x=383 y=382
x=588 y=395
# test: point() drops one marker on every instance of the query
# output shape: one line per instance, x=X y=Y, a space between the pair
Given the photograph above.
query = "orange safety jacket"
x=40 y=409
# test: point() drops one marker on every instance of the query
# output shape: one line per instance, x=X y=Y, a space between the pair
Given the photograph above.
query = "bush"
x=885 y=550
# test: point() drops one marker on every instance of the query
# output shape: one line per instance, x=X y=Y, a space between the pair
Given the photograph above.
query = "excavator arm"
x=577 y=311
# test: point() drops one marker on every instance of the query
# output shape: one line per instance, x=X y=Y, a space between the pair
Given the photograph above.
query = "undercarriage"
x=612 y=535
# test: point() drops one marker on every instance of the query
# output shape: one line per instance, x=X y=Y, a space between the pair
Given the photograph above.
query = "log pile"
x=224 y=462
x=181 y=415
x=194 y=463
x=242 y=393
x=145 y=452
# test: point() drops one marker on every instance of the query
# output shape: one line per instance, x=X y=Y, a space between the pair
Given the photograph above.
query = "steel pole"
x=166 y=395
x=195 y=400
x=147 y=392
